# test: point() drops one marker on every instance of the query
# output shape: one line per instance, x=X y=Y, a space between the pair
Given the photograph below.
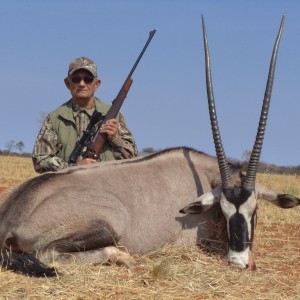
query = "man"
x=64 y=126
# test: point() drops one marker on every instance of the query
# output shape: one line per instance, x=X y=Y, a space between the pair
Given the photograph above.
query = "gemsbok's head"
x=238 y=200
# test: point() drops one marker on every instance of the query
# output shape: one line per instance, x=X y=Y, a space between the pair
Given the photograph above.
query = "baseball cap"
x=82 y=63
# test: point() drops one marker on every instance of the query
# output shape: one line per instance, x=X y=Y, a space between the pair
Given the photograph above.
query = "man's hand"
x=110 y=127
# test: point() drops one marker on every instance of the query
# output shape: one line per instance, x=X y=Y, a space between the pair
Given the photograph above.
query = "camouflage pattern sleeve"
x=46 y=148
x=123 y=145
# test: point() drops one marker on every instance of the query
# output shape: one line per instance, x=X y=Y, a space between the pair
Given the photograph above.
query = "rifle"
x=92 y=139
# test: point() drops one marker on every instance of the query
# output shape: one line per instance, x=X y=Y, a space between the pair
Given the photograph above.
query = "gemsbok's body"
x=91 y=214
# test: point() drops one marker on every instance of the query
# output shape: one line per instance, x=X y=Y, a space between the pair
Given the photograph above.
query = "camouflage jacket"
x=63 y=127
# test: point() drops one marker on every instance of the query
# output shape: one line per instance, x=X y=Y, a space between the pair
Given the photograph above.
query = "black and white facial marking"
x=239 y=208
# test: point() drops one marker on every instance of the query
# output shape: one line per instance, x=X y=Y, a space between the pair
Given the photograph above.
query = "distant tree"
x=20 y=146
x=10 y=145
x=147 y=151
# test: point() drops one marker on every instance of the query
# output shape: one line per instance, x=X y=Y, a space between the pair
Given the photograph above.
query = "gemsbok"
x=107 y=211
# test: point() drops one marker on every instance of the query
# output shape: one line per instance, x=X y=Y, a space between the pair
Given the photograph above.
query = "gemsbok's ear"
x=287 y=201
x=280 y=200
x=193 y=208
x=204 y=202
x=283 y=200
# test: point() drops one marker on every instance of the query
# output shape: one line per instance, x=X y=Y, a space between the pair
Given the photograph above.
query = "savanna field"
x=176 y=272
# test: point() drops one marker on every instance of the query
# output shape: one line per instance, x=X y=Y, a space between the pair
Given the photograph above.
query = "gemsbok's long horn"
x=222 y=161
x=249 y=182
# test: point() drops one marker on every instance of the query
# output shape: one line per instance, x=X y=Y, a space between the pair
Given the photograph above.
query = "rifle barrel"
x=151 y=34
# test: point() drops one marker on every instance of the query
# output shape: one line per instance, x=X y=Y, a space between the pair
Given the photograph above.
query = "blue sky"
x=167 y=104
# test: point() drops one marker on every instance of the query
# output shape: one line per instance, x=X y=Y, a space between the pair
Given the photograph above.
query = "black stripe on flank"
x=196 y=175
x=98 y=234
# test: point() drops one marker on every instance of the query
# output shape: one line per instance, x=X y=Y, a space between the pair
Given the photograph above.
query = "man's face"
x=82 y=85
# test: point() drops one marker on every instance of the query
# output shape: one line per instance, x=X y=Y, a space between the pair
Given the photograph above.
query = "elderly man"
x=63 y=127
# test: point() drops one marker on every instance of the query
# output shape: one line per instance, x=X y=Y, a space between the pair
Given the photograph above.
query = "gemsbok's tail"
x=25 y=264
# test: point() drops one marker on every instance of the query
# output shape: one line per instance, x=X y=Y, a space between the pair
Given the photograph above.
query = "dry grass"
x=14 y=170
x=176 y=272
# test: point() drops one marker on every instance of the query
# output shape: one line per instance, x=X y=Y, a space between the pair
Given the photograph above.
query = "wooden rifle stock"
x=94 y=147
x=97 y=143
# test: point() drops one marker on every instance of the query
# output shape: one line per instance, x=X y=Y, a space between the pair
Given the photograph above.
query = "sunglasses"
x=86 y=79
